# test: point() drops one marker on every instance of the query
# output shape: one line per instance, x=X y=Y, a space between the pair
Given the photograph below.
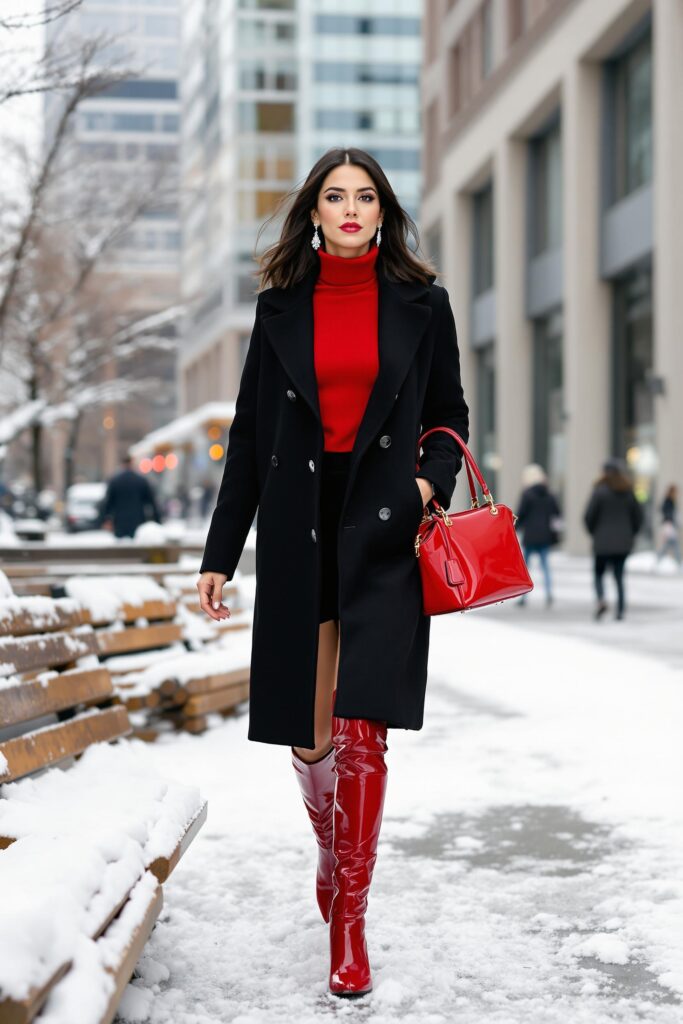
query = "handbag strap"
x=470 y=465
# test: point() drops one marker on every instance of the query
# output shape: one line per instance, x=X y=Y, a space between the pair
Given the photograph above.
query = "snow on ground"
x=529 y=864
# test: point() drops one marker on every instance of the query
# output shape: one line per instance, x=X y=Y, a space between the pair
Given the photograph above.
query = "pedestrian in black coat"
x=128 y=502
x=670 y=526
x=613 y=517
x=331 y=688
x=537 y=515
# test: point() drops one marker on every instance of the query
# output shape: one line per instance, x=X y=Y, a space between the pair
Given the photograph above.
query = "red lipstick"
x=350 y=226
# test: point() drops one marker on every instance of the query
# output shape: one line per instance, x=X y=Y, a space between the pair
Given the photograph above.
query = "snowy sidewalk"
x=529 y=868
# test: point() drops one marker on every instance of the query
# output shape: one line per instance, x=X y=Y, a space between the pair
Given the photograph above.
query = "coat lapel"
x=403 y=316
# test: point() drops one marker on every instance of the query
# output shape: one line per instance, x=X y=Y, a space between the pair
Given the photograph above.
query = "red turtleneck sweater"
x=345 y=342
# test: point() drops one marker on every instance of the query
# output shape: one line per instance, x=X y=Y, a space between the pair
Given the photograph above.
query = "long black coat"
x=129 y=501
x=613 y=518
x=537 y=508
x=275 y=447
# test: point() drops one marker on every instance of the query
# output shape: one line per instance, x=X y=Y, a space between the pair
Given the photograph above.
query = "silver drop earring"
x=315 y=241
x=379 y=234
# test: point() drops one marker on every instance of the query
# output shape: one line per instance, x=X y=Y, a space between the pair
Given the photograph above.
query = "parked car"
x=82 y=505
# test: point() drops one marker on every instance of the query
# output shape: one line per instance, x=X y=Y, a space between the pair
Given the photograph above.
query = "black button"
x=274 y=459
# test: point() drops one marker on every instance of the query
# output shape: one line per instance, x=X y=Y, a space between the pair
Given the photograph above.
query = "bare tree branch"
x=48 y=13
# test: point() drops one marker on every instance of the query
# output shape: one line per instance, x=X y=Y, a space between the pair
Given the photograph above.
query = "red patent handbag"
x=472 y=558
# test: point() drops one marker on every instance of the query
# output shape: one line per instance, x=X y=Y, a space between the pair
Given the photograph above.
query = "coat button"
x=385 y=440
x=396 y=396
x=313 y=536
x=291 y=395
x=311 y=465
x=273 y=459
x=384 y=513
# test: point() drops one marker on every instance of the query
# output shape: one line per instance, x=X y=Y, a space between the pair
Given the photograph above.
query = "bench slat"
x=34 y=750
x=152 y=610
x=25 y=621
x=29 y=700
x=47 y=650
x=124 y=969
x=217 y=700
x=138 y=638
x=15 y=1011
x=163 y=866
x=217 y=682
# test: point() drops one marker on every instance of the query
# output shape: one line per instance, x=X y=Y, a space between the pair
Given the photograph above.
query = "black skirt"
x=335 y=471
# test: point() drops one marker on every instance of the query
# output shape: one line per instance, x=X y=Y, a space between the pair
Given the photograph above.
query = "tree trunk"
x=70 y=452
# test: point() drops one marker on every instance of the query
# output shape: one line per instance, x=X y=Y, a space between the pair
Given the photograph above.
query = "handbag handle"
x=470 y=465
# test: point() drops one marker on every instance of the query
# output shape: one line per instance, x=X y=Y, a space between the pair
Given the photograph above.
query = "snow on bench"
x=86 y=835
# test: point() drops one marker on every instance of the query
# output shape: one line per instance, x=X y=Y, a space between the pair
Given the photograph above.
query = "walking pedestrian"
x=669 y=532
x=613 y=517
x=538 y=514
x=129 y=501
x=354 y=348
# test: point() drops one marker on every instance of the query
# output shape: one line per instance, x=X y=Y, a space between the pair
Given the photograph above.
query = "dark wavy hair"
x=292 y=256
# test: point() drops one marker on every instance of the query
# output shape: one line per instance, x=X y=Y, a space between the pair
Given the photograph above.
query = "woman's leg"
x=599 y=566
x=325 y=683
x=315 y=769
x=618 y=563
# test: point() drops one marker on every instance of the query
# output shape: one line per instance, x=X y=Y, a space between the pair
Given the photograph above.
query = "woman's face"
x=347 y=196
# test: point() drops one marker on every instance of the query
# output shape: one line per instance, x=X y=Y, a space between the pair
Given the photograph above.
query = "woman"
x=669 y=530
x=537 y=516
x=613 y=517
x=353 y=354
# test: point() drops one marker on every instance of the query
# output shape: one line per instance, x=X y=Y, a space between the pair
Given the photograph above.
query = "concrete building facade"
x=267 y=86
x=552 y=164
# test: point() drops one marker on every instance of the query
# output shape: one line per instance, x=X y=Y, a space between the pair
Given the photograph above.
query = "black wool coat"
x=129 y=501
x=613 y=518
x=273 y=461
x=537 y=508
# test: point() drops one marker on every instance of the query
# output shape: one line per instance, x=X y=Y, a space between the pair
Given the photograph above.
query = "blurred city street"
x=480 y=202
x=529 y=862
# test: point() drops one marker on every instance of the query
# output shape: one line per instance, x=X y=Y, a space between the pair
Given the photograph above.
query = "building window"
x=487 y=38
x=344 y=120
x=518 y=17
x=633 y=406
x=548 y=397
x=546 y=191
x=142 y=89
x=277 y=75
x=268 y=5
x=162 y=25
x=483 y=258
x=486 y=413
x=431 y=144
x=261 y=33
x=366 y=73
x=266 y=117
x=631 y=77
x=454 y=79
x=343 y=24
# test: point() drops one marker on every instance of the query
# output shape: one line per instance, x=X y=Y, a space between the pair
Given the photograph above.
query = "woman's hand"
x=210 y=587
x=425 y=488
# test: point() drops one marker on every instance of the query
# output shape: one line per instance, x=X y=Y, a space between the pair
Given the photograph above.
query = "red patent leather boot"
x=360 y=744
x=316 y=782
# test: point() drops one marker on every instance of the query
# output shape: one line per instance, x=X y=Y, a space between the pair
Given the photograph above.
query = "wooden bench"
x=177 y=667
x=88 y=832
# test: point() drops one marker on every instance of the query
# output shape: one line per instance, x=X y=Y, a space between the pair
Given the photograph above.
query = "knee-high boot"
x=361 y=771
x=316 y=782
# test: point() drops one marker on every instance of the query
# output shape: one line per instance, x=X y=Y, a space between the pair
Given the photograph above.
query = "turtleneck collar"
x=347 y=269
